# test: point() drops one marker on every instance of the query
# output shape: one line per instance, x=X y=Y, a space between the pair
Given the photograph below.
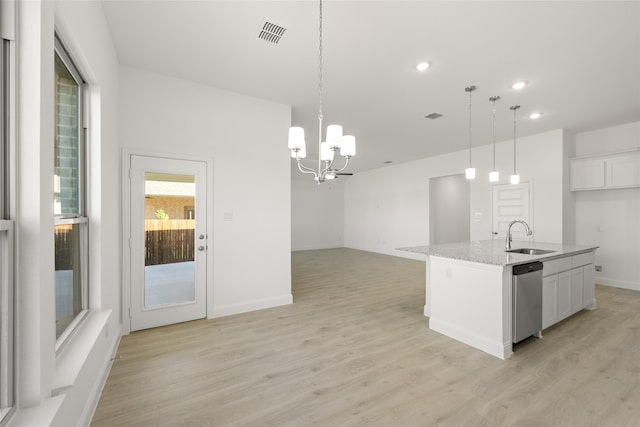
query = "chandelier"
x=335 y=141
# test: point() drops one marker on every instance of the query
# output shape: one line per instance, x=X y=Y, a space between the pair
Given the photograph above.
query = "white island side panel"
x=470 y=302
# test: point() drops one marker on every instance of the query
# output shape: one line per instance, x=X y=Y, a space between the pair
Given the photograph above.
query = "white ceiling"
x=581 y=59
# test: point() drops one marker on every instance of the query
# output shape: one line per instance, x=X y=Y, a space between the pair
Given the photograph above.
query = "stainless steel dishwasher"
x=527 y=300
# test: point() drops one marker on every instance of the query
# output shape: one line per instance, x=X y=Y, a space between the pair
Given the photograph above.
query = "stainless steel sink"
x=529 y=251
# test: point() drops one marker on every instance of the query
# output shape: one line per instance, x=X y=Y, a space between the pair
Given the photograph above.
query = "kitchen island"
x=469 y=288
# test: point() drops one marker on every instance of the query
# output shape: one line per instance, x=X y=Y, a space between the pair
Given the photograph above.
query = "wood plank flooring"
x=355 y=350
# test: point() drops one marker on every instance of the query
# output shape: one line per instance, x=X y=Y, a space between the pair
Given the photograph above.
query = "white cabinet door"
x=564 y=294
x=623 y=171
x=549 y=300
x=588 y=290
x=587 y=174
x=577 y=280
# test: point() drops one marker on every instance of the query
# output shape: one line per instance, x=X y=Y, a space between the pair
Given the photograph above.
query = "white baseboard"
x=494 y=348
x=96 y=392
x=624 y=284
x=244 y=307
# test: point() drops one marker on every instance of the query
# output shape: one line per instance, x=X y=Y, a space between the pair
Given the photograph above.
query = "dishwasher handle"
x=527 y=268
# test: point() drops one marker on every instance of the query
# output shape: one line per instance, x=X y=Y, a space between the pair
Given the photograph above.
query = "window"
x=7 y=247
x=71 y=222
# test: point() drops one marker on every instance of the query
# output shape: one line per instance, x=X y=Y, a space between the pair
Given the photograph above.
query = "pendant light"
x=470 y=172
x=515 y=178
x=494 y=175
x=335 y=141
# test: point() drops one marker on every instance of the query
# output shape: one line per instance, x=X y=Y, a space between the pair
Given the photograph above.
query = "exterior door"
x=168 y=240
x=511 y=202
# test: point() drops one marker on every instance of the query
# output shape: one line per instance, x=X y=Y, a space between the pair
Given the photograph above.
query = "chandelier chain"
x=320 y=64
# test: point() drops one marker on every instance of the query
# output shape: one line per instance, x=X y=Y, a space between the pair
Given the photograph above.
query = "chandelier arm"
x=343 y=167
x=305 y=169
x=327 y=167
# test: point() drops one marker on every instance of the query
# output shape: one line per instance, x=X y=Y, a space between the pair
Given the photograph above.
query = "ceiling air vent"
x=433 y=116
x=271 y=33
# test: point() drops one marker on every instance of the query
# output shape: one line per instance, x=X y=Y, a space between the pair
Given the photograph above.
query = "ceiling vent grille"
x=271 y=33
x=433 y=116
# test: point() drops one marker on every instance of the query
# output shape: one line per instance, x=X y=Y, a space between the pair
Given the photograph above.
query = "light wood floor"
x=355 y=350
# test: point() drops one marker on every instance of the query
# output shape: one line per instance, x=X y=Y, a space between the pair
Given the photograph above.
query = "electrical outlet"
x=598 y=268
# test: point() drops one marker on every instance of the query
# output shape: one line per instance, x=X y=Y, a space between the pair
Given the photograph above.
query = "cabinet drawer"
x=582 y=259
x=556 y=266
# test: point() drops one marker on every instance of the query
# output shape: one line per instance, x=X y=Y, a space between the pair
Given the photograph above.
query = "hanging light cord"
x=470 y=89
x=514 y=108
x=494 y=99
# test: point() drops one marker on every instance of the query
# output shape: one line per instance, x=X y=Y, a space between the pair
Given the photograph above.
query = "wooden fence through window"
x=166 y=242
x=169 y=241
x=64 y=246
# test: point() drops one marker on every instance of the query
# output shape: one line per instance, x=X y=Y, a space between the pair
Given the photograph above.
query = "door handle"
x=201 y=248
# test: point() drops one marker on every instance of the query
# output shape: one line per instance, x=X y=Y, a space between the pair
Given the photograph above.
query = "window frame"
x=81 y=218
x=7 y=237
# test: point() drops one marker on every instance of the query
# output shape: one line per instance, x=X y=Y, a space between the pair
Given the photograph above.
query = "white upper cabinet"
x=623 y=171
x=587 y=174
x=620 y=170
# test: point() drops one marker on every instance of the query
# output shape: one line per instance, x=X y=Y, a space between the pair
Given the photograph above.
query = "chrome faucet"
x=526 y=228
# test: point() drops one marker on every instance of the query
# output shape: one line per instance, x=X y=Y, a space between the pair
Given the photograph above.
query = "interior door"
x=168 y=240
x=511 y=202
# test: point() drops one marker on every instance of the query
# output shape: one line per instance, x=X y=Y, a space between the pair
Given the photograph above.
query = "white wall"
x=317 y=213
x=62 y=389
x=449 y=207
x=388 y=208
x=243 y=136
x=610 y=218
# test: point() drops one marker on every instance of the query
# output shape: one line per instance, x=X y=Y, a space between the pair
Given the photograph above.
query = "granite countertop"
x=492 y=251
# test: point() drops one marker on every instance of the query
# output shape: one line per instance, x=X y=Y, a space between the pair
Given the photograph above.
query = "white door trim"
x=126 y=227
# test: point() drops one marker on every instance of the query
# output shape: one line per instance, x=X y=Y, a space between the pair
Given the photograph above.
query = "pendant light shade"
x=470 y=172
x=348 y=148
x=326 y=153
x=494 y=175
x=296 y=138
x=515 y=178
x=299 y=154
x=334 y=136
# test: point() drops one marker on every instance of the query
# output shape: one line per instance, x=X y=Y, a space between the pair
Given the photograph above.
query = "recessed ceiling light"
x=535 y=115
x=422 y=66
x=518 y=85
